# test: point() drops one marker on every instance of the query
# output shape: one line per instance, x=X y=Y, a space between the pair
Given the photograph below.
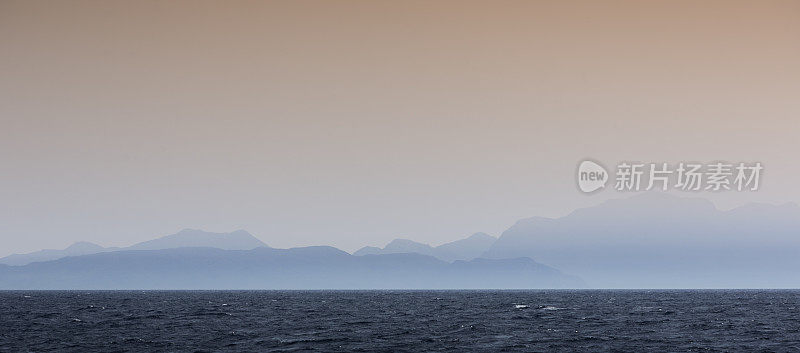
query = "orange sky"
x=354 y=122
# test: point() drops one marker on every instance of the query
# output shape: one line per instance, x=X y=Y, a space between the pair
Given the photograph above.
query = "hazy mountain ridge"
x=76 y=249
x=651 y=240
x=664 y=241
x=266 y=268
x=464 y=249
x=237 y=240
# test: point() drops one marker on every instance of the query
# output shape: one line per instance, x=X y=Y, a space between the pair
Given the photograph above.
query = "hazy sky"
x=350 y=123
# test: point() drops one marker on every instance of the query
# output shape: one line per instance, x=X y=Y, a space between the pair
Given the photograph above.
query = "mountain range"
x=238 y=240
x=656 y=240
x=651 y=240
x=316 y=267
x=465 y=249
x=194 y=259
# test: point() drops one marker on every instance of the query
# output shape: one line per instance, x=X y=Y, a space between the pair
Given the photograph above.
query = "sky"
x=351 y=123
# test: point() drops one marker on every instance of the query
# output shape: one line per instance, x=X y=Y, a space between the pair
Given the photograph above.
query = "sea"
x=401 y=321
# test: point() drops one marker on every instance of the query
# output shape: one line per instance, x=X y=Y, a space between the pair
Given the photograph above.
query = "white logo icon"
x=591 y=176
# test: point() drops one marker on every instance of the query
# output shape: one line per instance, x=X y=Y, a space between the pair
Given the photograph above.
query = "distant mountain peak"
x=481 y=235
x=83 y=245
x=237 y=240
x=368 y=250
x=465 y=249
x=407 y=244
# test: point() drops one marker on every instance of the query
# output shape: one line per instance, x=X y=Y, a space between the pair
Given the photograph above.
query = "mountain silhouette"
x=656 y=240
x=238 y=240
x=465 y=249
x=76 y=249
x=651 y=240
x=318 y=267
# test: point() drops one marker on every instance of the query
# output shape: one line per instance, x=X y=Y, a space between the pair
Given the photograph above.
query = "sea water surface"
x=396 y=321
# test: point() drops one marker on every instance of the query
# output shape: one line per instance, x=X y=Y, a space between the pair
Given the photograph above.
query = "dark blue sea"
x=401 y=321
